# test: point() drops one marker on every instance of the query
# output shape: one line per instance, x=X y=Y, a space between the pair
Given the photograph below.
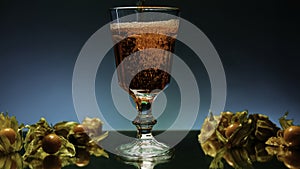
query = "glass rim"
x=146 y=8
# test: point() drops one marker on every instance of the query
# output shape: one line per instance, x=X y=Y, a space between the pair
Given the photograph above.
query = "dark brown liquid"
x=143 y=70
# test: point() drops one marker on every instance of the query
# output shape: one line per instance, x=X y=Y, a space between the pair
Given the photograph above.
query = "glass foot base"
x=145 y=149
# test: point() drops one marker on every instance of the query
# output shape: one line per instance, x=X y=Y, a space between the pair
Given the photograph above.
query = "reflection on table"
x=188 y=154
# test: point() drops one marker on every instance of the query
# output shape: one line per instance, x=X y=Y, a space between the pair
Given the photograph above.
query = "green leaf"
x=241 y=135
x=67 y=148
x=32 y=149
x=217 y=163
x=14 y=123
x=99 y=152
x=64 y=128
x=3 y=159
x=221 y=137
x=285 y=123
x=18 y=159
x=68 y=125
x=5 y=145
x=241 y=158
x=65 y=161
x=240 y=117
x=37 y=131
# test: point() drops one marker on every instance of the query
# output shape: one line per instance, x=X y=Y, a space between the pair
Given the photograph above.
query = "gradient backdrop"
x=257 y=41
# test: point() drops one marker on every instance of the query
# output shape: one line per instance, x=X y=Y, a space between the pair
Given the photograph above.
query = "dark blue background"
x=257 y=42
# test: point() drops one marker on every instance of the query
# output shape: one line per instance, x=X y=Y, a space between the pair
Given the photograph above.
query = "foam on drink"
x=168 y=27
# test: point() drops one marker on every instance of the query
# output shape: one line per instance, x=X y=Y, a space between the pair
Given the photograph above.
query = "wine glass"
x=144 y=38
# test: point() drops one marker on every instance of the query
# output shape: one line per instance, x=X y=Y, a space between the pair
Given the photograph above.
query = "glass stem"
x=144 y=121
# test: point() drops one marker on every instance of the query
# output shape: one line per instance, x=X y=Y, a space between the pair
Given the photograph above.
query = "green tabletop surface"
x=188 y=154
